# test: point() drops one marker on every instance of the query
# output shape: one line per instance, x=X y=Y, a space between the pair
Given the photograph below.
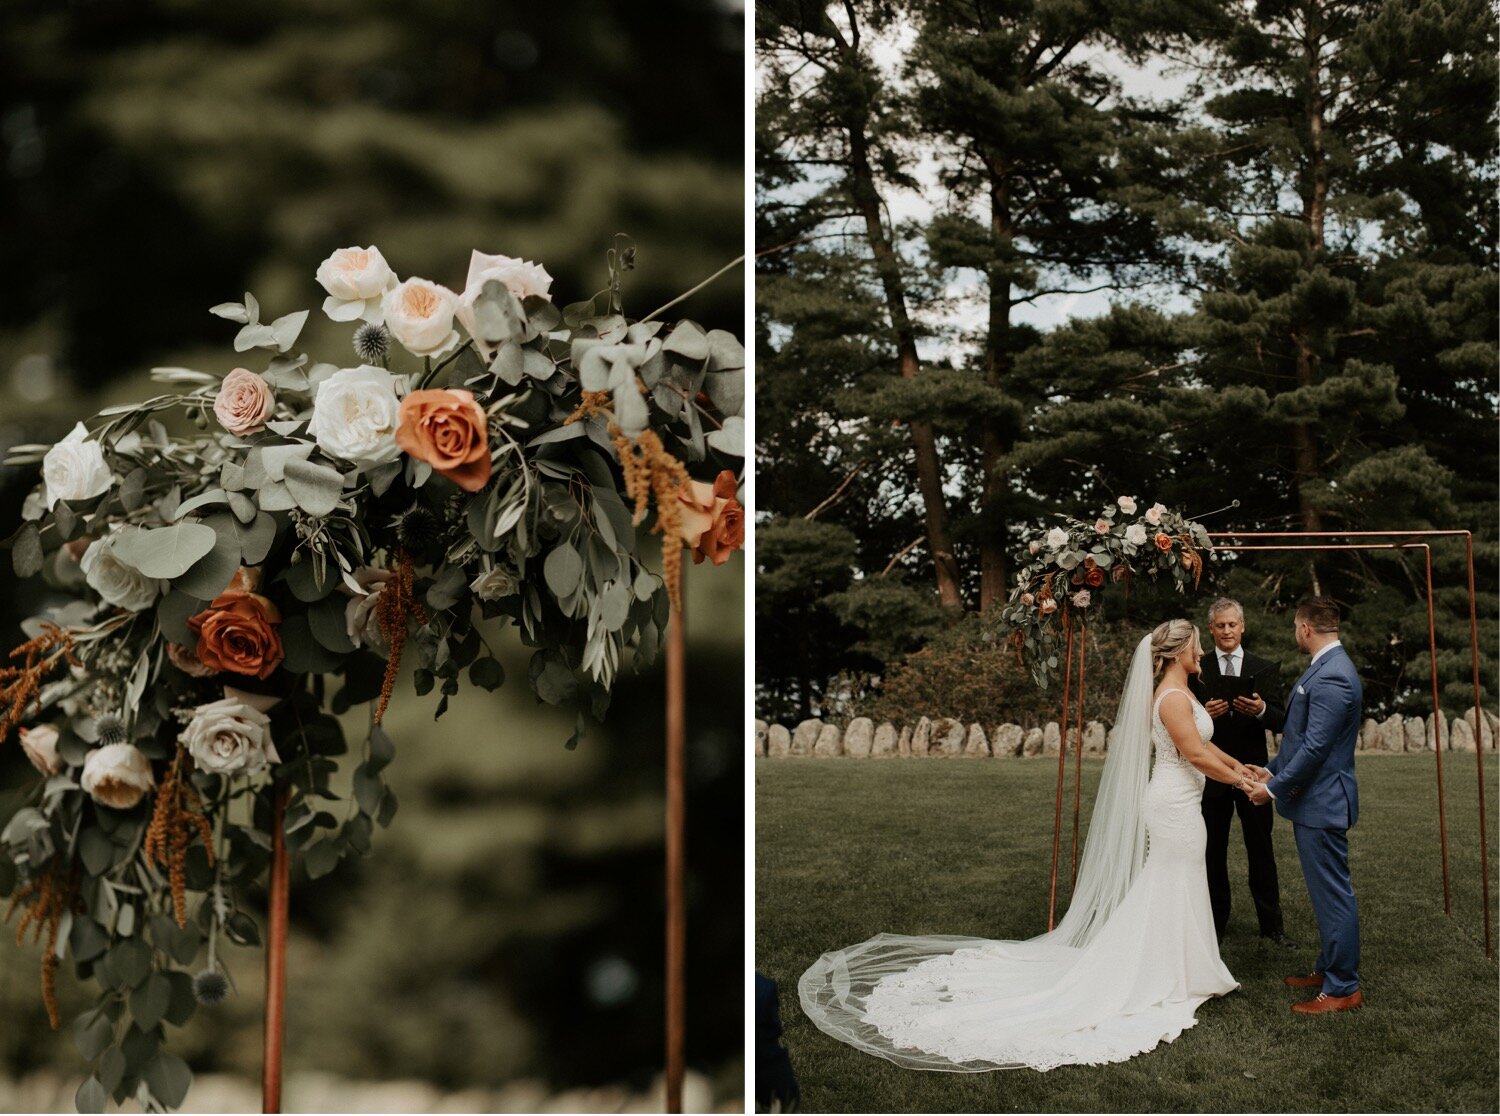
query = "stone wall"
x=945 y=737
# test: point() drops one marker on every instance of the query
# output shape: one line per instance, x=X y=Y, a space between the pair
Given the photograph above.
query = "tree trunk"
x=929 y=470
x=1306 y=469
x=992 y=539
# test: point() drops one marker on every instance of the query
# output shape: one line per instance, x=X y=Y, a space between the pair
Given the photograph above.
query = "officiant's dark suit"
x=1243 y=737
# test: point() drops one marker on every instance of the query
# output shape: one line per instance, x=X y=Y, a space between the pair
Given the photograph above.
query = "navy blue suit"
x=1313 y=781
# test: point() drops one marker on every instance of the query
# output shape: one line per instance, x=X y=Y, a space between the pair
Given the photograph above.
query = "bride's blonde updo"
x=1168 y=640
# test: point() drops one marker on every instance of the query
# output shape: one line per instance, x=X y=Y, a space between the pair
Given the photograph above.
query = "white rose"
x=117 y=775
x=1127 y=504
x=419 y=314
x=360 y=616
x=1057 y=538
x=1034 y=546
x=356 y=280
x=74 y=469
x=40 y=746
x=355 y=415
x=521 y=277
x=121 y=585
x=1135 y=534
x=1154 y=514
x=494 y=584
x=229 y=737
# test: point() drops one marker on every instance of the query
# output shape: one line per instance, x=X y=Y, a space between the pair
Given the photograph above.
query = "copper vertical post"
x=1062 y=767
x=1484 y=828
x=276 y=919
x=1083 y=646
x=676 y=840
x=1437 y=738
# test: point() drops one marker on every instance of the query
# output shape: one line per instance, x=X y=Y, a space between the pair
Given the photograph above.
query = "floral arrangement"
x=1065 y=571
x=255 y=552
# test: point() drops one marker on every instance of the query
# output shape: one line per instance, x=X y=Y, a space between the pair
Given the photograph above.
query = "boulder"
x=1051 y=738
x=805 y=735
x=761 y=731
x=948 y=737
x=921 y=737
x=1093 y=738
x=1273 y=743
x=977 y=744
x=903 y=742
x=779 y=741
x=1486 y=728
x=830 y=741
x=1007 y=741
x=1035 y=741
x=884 y=743
x=1369 y=735
x=1414 y=733
x=1390 y=735
x=1462 y=738
x=859 y=737
x=1436 y=724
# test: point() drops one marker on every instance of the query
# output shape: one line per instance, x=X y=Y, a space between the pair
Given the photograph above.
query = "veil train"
x=966 y=1004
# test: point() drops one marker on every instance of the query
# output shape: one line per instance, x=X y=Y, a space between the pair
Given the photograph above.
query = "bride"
x=1129 y=963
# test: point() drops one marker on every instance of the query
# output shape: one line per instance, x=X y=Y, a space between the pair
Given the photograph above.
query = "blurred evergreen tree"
x=159 y=156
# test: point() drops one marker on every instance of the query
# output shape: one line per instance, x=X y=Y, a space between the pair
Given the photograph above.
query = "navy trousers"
x=1325 y=865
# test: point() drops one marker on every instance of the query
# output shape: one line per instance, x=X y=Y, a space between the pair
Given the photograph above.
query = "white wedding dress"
x=1126 y=968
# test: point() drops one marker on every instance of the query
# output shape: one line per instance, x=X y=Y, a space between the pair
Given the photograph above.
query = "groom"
x=1312 y=782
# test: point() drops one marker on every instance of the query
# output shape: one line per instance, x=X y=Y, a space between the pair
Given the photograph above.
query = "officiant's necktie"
x=1229 y=671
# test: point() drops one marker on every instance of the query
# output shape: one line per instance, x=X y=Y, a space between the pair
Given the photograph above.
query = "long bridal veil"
x=839 y=992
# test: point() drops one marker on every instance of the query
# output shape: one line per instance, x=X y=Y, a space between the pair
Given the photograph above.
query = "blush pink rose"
x=244 y=402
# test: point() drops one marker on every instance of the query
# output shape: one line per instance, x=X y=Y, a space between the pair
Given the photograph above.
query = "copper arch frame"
x=1406 y=540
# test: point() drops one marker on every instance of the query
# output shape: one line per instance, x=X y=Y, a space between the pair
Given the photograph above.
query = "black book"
x=1240 y=685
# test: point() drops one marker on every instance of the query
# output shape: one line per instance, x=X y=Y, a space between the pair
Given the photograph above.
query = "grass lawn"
x=848 y=848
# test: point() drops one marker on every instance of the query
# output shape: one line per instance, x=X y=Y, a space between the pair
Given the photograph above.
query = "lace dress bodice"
x=1161 y=740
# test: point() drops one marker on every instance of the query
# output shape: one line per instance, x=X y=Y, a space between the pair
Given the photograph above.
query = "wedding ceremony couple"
x=1137 y=952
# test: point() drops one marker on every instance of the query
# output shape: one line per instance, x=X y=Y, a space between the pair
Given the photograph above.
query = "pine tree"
x=835 y=137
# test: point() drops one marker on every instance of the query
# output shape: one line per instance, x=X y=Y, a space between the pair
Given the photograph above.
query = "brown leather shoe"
x=1325 y=1003
x=1311 y=980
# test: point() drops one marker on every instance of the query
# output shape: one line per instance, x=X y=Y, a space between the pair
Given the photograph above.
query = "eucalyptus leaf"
x=91 y=1096
x=256 y=537
x=163 y=552
x=26 y=551
x=148 y=1003
x=131 y=959
x=687 y=340
x=487 y=673
x=168 y=1078
x=316 y=488
x=563 y=570
x=321 y=859
x=730 y=439
x=92 y=1032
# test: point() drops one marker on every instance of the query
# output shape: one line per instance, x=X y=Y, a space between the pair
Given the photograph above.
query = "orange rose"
x=237 y=633
x=447 y=429
x=1095 y=577
x=712 y=521
x=1163 y=541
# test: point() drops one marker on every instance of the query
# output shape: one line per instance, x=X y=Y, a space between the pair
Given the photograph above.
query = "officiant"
x=1240 y=692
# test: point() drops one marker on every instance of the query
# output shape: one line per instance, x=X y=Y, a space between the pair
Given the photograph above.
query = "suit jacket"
x=1314 y=771
x=1242 y=737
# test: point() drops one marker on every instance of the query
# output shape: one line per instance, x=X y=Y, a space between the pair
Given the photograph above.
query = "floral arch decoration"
x=234 y=587
x=1068 y=568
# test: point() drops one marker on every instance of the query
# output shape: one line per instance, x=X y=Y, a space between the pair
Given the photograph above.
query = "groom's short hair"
x=1318 y=612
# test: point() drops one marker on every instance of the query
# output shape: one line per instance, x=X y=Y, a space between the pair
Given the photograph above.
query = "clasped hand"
x=1257 y=792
